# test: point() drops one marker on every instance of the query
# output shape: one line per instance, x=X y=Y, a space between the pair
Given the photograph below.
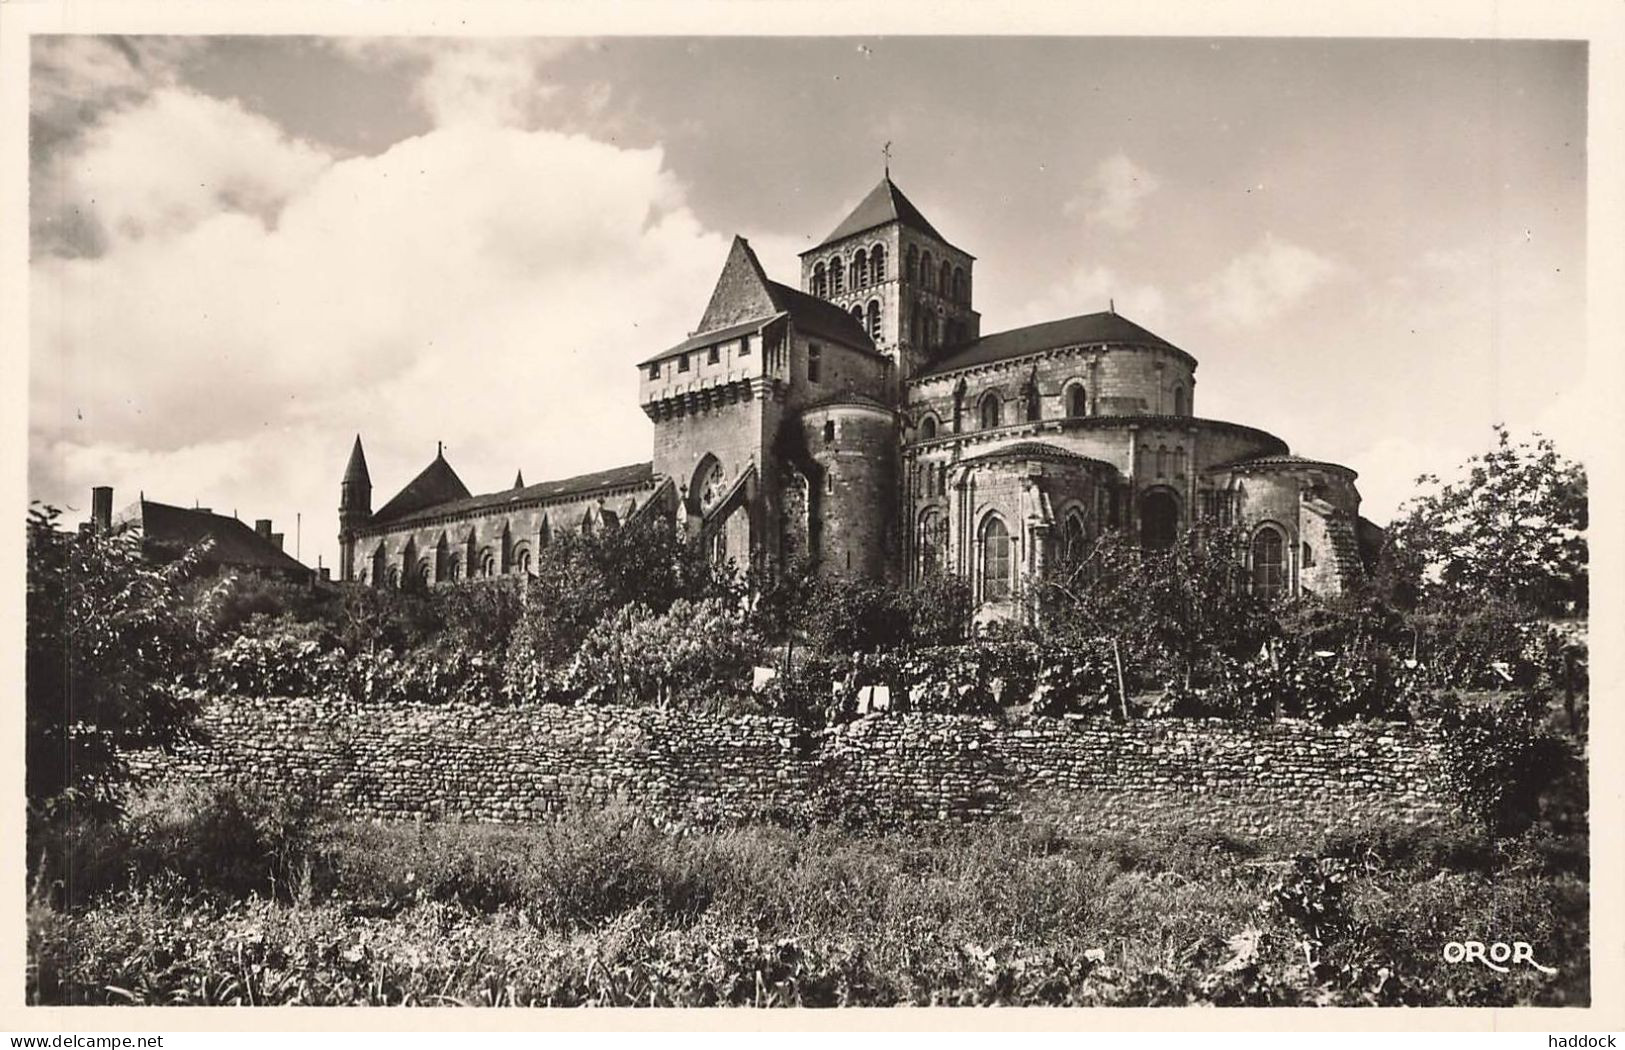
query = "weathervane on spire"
x=885 y=152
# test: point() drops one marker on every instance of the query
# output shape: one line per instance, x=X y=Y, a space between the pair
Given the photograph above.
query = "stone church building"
x=864 y=422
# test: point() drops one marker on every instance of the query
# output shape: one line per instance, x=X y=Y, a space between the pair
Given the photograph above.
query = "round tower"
x=853 y=497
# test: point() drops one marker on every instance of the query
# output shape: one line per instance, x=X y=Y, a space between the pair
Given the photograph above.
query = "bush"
x=1501 y=758
x=696 y=653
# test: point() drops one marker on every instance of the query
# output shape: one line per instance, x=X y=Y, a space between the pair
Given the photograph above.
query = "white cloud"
x=178 y=158
x=469 y=81
x=1271 y=279
x=486 y=286
x=1089 y=289
x=1112 y=196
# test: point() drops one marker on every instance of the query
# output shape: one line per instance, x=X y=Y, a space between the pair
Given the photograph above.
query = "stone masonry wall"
x=517 y=764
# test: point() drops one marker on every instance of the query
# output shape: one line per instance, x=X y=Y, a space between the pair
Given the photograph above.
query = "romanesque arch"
x=1267 y=568
x=1159 y=519
x=995 y=560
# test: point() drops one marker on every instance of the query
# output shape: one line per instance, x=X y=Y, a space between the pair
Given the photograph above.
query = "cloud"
x=1089 y=289
x=178 y=158
x=480 y=81
x=259 y=301
x=1112 y=196
x=1271 y=279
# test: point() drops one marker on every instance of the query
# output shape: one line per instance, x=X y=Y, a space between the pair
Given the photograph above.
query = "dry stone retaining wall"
x=514 y=764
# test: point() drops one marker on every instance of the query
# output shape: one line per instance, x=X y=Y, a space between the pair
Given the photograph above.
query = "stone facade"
x=865 y=423
x=1260 y=780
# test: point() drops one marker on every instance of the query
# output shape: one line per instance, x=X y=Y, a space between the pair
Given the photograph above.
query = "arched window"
x=488 y=562
x=988 y=409
x=928 y=428
x=1077 y=401
x=521 y=560
x=1162 y=461
x=874 y=319
x=930 y=329
x=912 y=264
x=829 y=431
x=1074 y=538
x=1179 y=461
x=837 y=272
x=1159 y=520
x=860 y=269
x=1269 y=569
x=915 y=319
x=877 y=264
x=394 y=577
x=1180 y=407
x=995 y=560
x=932 y=540
x=857 y=315
x=820 y=282
x=928 y=276
x=425 y=573
x=1032 y=403
x=946 y=282
x=961 y=292
x=380 y=574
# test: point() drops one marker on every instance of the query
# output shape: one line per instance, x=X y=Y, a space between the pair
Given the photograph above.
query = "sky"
x=246 y=250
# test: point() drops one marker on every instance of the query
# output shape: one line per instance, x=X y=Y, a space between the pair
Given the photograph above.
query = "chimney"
x=263 y=527
x=101 y=507
x=276 y=538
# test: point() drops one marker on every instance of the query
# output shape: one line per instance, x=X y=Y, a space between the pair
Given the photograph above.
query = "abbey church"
x=863 y=422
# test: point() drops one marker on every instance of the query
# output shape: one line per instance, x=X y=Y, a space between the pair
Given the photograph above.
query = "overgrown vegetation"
x=222 y=900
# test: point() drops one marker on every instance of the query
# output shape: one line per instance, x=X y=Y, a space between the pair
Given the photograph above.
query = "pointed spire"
x=356 y=469
x=519 y=480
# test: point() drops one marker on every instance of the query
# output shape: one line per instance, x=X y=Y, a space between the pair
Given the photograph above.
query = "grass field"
x=223 y=898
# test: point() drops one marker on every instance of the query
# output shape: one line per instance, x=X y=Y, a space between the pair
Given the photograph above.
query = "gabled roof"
x=1085 y=329
x=884 y=204
x=578 y=486
x=437 y=484
x=744 y=300
x=231 y=542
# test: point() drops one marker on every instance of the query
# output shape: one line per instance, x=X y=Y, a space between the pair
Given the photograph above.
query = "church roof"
x=744 y=300
x=231 y=542
x=1034 y=450
x=437 y=484
x=1085 y=329
x=580 y=485
x=884 y=204
x=1280 y=460
x=356 y=470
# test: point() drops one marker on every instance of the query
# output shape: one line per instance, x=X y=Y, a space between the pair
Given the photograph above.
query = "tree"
x=1170 y=610
x=1512 y=529
x=110 y=637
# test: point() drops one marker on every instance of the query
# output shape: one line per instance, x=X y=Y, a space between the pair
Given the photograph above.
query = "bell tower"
x=888 y=267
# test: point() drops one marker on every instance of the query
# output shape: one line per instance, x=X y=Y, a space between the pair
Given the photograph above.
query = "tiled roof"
x=437 y=484
x=885 y=203
x=580 y=485
x=1279 y=460
x=816 y=316
x=1086 y=329
x=232 y=542
x=356 y=470
x=1032 y=450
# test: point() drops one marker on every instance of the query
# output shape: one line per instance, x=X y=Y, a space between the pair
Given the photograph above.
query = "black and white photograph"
x=805 y=520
